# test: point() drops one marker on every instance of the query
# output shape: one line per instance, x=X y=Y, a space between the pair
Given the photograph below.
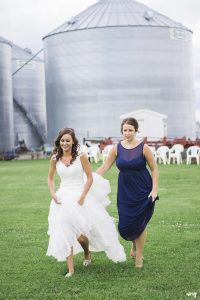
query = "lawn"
x=172 y=265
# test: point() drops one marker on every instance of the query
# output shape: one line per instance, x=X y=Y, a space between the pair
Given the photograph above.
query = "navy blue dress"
x=135 y=209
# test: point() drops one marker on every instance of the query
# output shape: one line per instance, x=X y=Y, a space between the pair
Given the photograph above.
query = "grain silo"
x=28 y=98
x=197 y=91
x=118 y=56
x=6 y=100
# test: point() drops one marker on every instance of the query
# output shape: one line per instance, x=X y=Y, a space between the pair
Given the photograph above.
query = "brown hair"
x=130 y=121
x=75 y=147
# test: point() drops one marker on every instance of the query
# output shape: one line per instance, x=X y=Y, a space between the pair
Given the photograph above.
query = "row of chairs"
x=165 y=154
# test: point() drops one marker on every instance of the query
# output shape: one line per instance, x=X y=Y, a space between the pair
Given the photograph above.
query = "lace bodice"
x=71 y=175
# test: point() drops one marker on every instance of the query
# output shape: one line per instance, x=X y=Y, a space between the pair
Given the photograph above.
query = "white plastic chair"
x=152 y=148
x=106 y=151
x=175 y=154
x=94 y=153
x=193 y=152
x=161 y=154
x=84 y=149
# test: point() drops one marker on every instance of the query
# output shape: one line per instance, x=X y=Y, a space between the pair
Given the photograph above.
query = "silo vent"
x=28 y=50
x=73 y=21
x=148 y=15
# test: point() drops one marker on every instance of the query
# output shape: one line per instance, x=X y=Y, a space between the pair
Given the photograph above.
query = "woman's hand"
x=56 y=199
x=108 y=162
x=153 y=195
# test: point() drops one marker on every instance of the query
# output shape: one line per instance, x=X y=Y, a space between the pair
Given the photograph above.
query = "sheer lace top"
x=130 y=159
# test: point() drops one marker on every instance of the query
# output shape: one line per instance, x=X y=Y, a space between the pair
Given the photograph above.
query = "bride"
x=78 y=220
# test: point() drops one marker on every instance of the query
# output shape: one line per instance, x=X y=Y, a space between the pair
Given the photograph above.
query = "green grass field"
x=172 y=252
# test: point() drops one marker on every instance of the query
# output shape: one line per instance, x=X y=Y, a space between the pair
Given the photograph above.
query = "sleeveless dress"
x=135 y=209
x=69 y=220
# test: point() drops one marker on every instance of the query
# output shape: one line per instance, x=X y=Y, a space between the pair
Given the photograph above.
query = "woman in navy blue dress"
x=137 y=189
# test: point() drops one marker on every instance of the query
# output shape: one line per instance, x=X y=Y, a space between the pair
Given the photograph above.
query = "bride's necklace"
x=66 y=160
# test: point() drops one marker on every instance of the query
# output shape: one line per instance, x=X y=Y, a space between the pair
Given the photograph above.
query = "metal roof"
x=112 y=13
x=140 y=111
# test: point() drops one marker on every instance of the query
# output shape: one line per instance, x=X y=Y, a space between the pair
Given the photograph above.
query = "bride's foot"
x=69 y=274
x=87 y=260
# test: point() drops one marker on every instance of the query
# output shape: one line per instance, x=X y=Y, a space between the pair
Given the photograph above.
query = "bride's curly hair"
x=58 y=152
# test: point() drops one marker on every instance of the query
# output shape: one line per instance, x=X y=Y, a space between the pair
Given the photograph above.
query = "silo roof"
x=3 y=40
x=116 y=13
x=20 y=53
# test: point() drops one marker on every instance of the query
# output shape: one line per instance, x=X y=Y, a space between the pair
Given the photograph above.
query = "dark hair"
x=75 y=147
x=130 y=121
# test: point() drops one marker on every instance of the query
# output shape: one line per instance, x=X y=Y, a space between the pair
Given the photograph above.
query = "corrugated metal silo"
x=118 y=56
x=6 y=100
x=29 y=98
x=197 y=90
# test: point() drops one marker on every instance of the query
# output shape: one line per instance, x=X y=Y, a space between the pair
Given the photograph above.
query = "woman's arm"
x=154 y=171
x=108 y=162
x=89 y=181
x=51 y=185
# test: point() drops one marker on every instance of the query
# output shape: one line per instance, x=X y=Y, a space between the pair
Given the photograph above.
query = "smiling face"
x=66 y=143
x=128 y=132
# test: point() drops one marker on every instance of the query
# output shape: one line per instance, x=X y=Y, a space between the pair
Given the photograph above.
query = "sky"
x=26 y=22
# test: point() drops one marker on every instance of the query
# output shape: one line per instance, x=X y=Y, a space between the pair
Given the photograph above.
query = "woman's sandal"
x=139 y=262
x=88 y=261
x=133 y=254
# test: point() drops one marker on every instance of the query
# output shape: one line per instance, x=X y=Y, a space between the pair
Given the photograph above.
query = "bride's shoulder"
x=53 y=158
x=82 y=155
x=53 y=161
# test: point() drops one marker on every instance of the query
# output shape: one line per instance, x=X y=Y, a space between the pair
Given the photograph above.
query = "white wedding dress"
x=69 y=220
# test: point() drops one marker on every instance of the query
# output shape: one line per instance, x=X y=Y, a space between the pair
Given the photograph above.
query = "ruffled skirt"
x=68 y=221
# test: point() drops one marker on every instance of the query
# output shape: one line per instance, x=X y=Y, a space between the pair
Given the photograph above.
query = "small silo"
x=115 y=57
x=6 y=100
x=28 y=98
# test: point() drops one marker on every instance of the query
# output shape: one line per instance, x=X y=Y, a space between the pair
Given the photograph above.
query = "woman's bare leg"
x=133 y=250
x=139 y=242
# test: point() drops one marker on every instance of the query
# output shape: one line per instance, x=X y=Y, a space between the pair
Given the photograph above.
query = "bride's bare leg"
x=83 y=240
x=70 y=263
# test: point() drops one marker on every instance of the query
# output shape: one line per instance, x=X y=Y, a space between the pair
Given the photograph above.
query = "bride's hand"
x=55 y=198
x=81 y=201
